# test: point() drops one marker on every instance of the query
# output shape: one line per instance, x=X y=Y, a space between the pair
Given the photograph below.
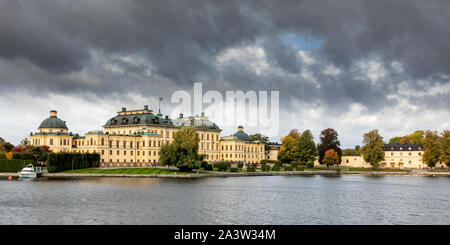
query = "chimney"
x=145 y=107
x=53 y=113
x=240 y=128
x=181 y=115
x=124 y=109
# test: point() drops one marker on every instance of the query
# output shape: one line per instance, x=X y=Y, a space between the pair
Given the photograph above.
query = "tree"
x=405 y=140
x=329 y=140
x=6 y=146
x=46 y=148
x=445 y=147
x=183 y=151
x=372 y=150
x=39 y=154
x=19 y=149
x=294 y=134
x=330 y=158
x=431 y=149
x=414 y=138
x=259 y=137
x=350 y=152
x=395 y=140
x=289 y=148
x=24 y=143
x=307 y=150
x=417 y=137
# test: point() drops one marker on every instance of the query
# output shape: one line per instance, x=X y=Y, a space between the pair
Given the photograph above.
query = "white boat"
x=28 y=172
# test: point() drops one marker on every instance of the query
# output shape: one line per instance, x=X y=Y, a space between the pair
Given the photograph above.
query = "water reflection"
x=314 y=199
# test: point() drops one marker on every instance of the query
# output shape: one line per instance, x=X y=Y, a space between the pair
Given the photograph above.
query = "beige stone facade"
x=134 y=138
x=395 y=156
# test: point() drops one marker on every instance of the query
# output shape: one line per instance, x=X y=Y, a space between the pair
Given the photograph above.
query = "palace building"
x=395 y=156
x=134 y=138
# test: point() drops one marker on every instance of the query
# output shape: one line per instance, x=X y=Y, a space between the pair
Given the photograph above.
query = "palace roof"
x=410 y=147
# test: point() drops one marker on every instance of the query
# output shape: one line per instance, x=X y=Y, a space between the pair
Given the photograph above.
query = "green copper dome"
x=53 y=122
x=241 y=135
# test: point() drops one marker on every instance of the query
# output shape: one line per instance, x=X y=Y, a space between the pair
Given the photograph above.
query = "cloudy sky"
x=350 y=65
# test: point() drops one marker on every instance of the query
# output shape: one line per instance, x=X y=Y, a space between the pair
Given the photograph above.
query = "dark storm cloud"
x=49 y=44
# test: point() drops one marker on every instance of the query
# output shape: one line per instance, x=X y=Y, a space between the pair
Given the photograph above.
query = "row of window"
x=241 y=147
x=401 y=154
x=65 y=142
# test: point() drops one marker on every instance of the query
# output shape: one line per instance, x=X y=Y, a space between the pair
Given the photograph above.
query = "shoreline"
x=239 y=174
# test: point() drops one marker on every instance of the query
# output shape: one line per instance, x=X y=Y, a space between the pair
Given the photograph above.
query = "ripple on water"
x=245 y=200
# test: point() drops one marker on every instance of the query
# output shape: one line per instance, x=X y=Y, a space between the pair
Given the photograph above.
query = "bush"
x=294 y=164
x=222 y=166
x=12 y=166
x=23 y=156
x=288 y=168
x=310 y=165
x=209 y=167
x=240 y=165
x=275 y=168
x=204 y=165
x=272 y=161
x=263 y=162
x=2 y=155
x=264 y=166
x=299 y=168
x=58 y=162
x=233 y=170
x=251 y=169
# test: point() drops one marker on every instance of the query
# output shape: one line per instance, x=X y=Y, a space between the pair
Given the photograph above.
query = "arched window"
x=124 y=121
x=136 y=120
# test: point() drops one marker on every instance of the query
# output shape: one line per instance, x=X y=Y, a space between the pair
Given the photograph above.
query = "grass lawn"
x=129 y=171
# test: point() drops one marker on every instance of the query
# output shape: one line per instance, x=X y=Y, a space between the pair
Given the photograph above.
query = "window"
x=51 y=141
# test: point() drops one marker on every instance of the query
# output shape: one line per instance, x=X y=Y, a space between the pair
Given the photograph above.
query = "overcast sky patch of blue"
x=302 y=42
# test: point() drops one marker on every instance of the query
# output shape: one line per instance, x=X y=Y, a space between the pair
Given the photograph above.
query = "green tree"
x=289 y=147
x=183 y=151
x=372 y=150
x=431 y=148
x=39 y=154
x=330 y=158
x=329 y=140
x=445 y=147
x=307 y=150
x=5 y=146
x=350 y=152
x=395 y=140
x=24 y=143
x=259 y=137
x=416 y=137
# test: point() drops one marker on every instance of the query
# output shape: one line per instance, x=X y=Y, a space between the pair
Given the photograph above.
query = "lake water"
x=275 y=200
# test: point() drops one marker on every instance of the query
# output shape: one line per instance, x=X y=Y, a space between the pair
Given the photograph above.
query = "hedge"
x=23 y=156
x=2 y=155
x=58 y=162
x=13 y=166
x=223 y=166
